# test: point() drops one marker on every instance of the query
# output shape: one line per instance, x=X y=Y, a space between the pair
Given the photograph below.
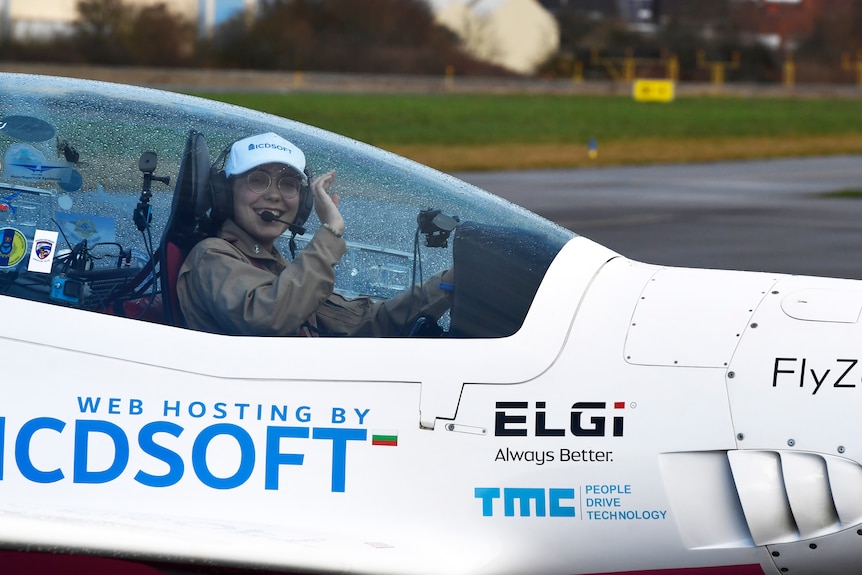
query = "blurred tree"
x=159 y=37
x=100 y=27
x=112 y=32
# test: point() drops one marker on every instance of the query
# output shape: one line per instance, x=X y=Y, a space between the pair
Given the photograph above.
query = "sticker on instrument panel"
x=24 y=162
x=27 y=128
x=42 y=253
x=13 y=247
x=78 y=227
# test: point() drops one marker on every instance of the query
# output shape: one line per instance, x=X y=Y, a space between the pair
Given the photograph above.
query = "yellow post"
x=673 y=68
x=848 y=64
x=789 y=71
x=629 y=66
x=578 y=72
x=449 y=80
x=297 y=79
x=717 y=69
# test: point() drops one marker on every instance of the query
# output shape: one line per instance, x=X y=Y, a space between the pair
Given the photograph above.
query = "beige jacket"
x=228 y=285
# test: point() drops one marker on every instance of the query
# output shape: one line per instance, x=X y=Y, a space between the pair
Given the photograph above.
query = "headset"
x=221 y=196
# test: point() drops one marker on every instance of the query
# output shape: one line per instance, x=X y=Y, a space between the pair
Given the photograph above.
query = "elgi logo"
x=510 y=420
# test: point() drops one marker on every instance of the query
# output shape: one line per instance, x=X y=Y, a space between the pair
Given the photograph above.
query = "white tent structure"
x=516 y=34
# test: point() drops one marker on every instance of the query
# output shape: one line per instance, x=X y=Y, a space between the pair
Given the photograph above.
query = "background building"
x=29 y=19
x=26 y=19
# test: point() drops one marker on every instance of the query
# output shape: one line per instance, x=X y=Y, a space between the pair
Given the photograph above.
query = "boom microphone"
x=270 y=217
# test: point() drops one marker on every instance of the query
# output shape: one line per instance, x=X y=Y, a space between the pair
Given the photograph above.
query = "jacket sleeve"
x=386 y=318
x=220 y=290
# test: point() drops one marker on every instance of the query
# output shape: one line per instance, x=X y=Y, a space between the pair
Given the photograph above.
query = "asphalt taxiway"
x=766 y=215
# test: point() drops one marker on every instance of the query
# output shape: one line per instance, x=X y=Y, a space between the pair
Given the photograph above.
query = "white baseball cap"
x=269 y=148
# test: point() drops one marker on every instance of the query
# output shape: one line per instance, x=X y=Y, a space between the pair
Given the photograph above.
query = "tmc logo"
x=585 y=419
x=544 y=501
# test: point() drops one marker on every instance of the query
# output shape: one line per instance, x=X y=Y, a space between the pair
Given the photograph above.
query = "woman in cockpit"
x=238 y=283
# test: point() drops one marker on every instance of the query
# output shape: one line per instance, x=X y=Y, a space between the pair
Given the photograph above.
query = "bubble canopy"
x=72 y=154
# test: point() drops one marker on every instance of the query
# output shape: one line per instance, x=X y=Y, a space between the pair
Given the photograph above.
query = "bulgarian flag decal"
x=384 y=437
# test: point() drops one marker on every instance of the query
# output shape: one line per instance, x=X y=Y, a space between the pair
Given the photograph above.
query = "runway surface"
x=771 y=215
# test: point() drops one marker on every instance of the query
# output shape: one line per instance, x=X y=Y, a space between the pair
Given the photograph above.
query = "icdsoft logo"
x=265 y=146
x=260 y=448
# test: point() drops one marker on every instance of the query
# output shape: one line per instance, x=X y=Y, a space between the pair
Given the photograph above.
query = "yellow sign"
x=654 y=90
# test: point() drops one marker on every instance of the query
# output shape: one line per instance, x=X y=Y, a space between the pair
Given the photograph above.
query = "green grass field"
x=477 y=131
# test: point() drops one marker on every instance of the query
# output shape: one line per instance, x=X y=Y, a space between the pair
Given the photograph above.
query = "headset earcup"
x=306 y=204
x=221 y=196
x=306 y=201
